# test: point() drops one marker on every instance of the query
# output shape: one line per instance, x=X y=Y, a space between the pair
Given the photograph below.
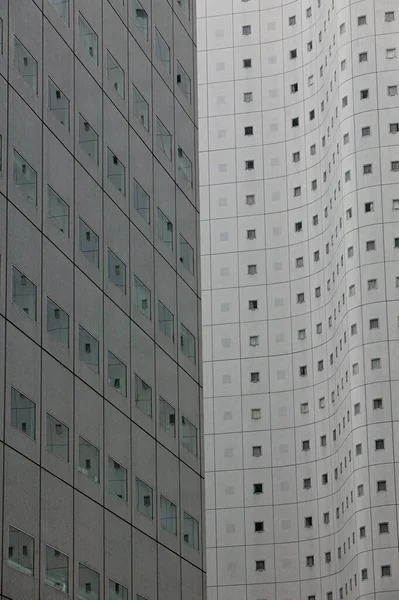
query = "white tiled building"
x=299 y=159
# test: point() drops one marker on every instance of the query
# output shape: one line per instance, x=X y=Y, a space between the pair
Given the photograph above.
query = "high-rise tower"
x=100 y=388
x=299 y=155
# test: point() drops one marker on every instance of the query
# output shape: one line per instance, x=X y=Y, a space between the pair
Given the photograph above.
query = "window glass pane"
x=183 y=81
x=24 y=177
x=62 y=7
x=184 y=166
x=141 y=201
x=21 y=547
x=165 y=229
x=88 y=243
x=23 y=414
x=140 y=108
x=187 y=343
x=117 y=479
x=89 y=460
x=25 y=64
x=167 y=417
x=115 y=74
x=57 y=322
x=164 y=139
x=144 y=499
x=166 y=321
x=140 y=18
x=1 y=35
x=168 y=515
x=56 y=569
x=58 y=103
x=188 y=436
x=186 y=254
x=58 y=211
x=190 y=531
x=57 y=437
x=88 y=139
x=89 y=583
x=88 y=349
x=117 y=271
x=143 y=396
x=185 y=4
x=117 y=374
x=115 y=171
x=24 y=293
x=142 y=297
x=117 y=591
x=162 y=50
x=88 y=38
x=1 y=151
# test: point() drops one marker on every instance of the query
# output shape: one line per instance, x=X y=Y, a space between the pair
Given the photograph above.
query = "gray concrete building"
x=100 y=380
x=299 y=162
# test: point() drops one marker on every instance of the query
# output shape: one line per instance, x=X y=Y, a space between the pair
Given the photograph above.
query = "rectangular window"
x=89 y=349
x=367 y=169
x=258 y=488
x=62 y=7
x=115 y=75
x=117 y=591
x=186 y=254
x=141 y=201
x=117 y=271
x=375 y=363
x=372 y=284
x=363 y=57
x=23 y=414
x=248 y=130
x=57 y=438
x=246 y=30
x=164 y=139
x=140 y=18
x=142 y=297
x=381 y=486
x=190 y=531
x=395 y=165
x=57 y=322
x=24 y=293
x=88 y=243
x=117 y=374
x=88 y=139
x=144 y=502
x=165 y=321
x=386 y=571
x=162 y=50
x=366 y=131
x=370 y=245
x=167 y=417
x=58 y=211
x=21 y=551
x=389 y=16
x=247 y=63
x=165 y=229
x=116 y=172
x=188 y=436
x=89 y=583
x=25 y=64
x=141 y=108
x=117 y=479
x=393 y=127
x=168 y=515
x=183 y=81
x=89 y=460
x=184 y=166
x=143 y=396
x=187 y=344
x=88 y=38
x=58 y=103
x=25 y=177
x=57 y=568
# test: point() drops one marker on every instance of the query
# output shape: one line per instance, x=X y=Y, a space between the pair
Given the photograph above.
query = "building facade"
x=299 y=161
x=101 y=409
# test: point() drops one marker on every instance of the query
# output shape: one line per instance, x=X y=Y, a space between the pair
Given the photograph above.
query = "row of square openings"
x=23 y=418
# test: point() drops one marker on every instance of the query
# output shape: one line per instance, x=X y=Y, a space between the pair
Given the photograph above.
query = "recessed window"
x=251 y=234
x=319 y=328
x=389 y=16
x=57 y=322
x=293 y=53
x=24 y=177
x=301 y=334
x=380 y=444
x=390 y=52
x=313 y=184
x=188 y=436
x=310 y=561
x=247 y=63
x=369 y=207
x=259 y=565
x=375 y=363
x=183 y=81
x=372 y=284
x=23 y=414
x=377 y=403
x=300 y=298
x=165 y=229
x=383 y=527
x=259 y=526
x=363 y=57
x=362 y=532
x=294 y=88
x=254 y=340
x=252 y=269
x=168 y=515
x=303 y=371
x=364 y=575
x=88 y=243
x=249 y=165
x=344 y=101
x=343 y=64
x=252 y=304
x=392 y=90
x=255 y=414
x=142 y=297
x=309 y=46
x=24 y=293
x=304 y=408
x=164 y=139
x=296 y=157
x=162 y=51
x=326 y=518
x=362 y=20
x=248 y=97
x=89 y=460
x=117 y=591
x=310 y=80
x=366 y=131
x=117 y=479
x=249 y=130
x=115 y=75
x=298 y=226
x=25 y=64
x=356 y=408
x=117 y=374
x=141 y=201
x=88 y=38
x=297 y=191
x=381 y=486
x=57 y=438
x=255 y=377
x=246 y=30
x=367 y=169
x=58 y=103
x=117 y=271
x=140 y=108
x=295 y=122
x=317 y=292
x=21 y=547
x=167 y=417
x=315 y=220
x=364 y=94
x=187 y=344
x=89 y=583
x=370 y=245
x=305 y=445
x=88 y=139
x=184 y=166
x=307 y=483
x=256 y=451
x=190 y=531
x=386 y=571
x=393 y=127
x=57 y=569
x=140 y=18
x=143 y=396
x=258 y=488
x=89 y=349
x=144 y=499
x=250 y=199
x=374 y=324
x=309 y=12
x=292 y=20
x=58 y=211
x=115 y=172
x=165 y=321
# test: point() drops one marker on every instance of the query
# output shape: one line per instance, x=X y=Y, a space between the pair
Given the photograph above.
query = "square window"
x=386 y=571
x=258 y=488
x=301 y=334
x=117 y=374
x=375 y=363
x=374 y=324
x=259 y=526
x=164 y=139
x=184 y=166
x=141 y=108
x=391 y=52
x=144 y=499
x=297 y=191
x=57 y=569
x=380 y=444
x=25 y=64
x=370 y=245
x=117 y=479
x=21 y=547
x=306 y=445
x=362 y=20
x=89 y=460
x=187 y=344
x=292 y=20
x=389 y=16
x=167 y=417
x=140 y=18
x=57 y=438
x=369 y=207
x=88 y=243
x=383 y=527
x=367 y=169
x=256 y=451
x=24 y=294
x=117 y=591
x=25 y=177
x=250 y=199
x=162 y=51
x=293 y=53
x=300 y=298
x=249 y=165
x=372 y=284
x=366 y=131
x=183 y=81
x=89 y=583
x=88 y=139
x=166 y=321
x=141 y=201
x=381 y=486
x=57 y=322
x=247 y=63
x=247 y=96
x=307 y=483
x=143 y=396
x=294 y=88
x=249 y=130
x=255 y=377
x=303 y=371
x=392 y=90
x=254 y=340
x=246 y=29
x=252 y=304
x=259 y=565
x=393 y=127
x=58 y=211
x=168 y=515
x=295 y=122
x=115 y=75
x=252 y=270
x=142 y=297
x=89 y=349
x=363 y=57
x=255 y=414
x=23 y=414
x=58 y=103
x=88 y=38
x=165 y=229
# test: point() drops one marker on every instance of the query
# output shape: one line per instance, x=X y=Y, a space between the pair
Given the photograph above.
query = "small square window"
x=300 y=298
x=255 y=377
x=141 y=201
x=88 y=139
x=292 y=20
x=259 y=526
x=254 y=340
x=303 y=371
x=370 y=245
x=372 y=284
x=249 y=165
x=364 y=94
x=142 y=297
x=256 y=451
x=369 y=207
x=386 y=571
x=304 y=408
x=391 y=52
x=396 y=242
x=374 y=324
x=258 y=488
x=252 y=304
x=89 y=349
x=301 y=334
x=247 y=63
x=366 y=131
x=362 y=20
x=259 y=565
x=392 y=90
x=89 y=460
x=306 y=445
x=381 y=486
x=362 y=532
x=297 y=191
x=117 y=479
x=393 y=127
x=248 y=97
x=367 y=169
x=299 y=262
x=383 y=527
x=252 y=269
x=249 y=130
x=319 y=328
x=380 y=444
x=377 y=403
x=293 y=53
x=294 y=88
x=389 y=16
x=246 y=30
x=88 y=38
x=24 y=294
x=375 y=363
x=363 y=57
x=250 y=199
x=295 y=122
